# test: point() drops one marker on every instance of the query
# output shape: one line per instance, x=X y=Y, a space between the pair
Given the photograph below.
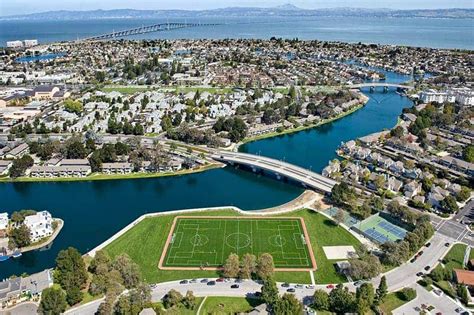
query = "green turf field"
x=207 y=242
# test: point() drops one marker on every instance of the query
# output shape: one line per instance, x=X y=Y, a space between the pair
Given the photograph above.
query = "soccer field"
x=206 y=242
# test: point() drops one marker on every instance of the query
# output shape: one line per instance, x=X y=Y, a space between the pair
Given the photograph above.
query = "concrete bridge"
x=379 y=84
x=145 y=29
x=280 y=169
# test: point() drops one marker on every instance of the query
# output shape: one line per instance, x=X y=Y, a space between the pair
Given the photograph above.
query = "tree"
x=320 y=300
x=339 y=216
x=53 y=301
x=288 y=305
x=73 y=106
x=468 y=153
x=408 y=294
x=189 y=300
x=342 y=193
x=248 y=266
x=74 y=295
x=75 y=150
x=70 y=270
x=20 y=236
x=449 y=204
x=382 y=290
x=269 y=291
x=172 y=298
x=462 y=293
x=128 y=269
x=364 y=297
x=366 y=266
x=265 y=266
x=231 y=266
x=20 y=165
x=341 y=300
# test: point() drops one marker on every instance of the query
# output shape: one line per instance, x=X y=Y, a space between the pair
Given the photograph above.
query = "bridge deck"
x=308 y=178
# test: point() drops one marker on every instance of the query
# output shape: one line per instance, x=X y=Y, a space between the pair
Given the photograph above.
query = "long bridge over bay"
x=281 y=169
x=145 y=29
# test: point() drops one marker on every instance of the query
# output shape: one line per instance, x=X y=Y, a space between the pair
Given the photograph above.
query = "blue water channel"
x=93 y=211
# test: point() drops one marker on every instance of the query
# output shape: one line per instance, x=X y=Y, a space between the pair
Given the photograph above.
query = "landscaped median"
x=145 y=242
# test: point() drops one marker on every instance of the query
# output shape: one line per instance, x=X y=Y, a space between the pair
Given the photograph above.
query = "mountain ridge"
x=282 y=10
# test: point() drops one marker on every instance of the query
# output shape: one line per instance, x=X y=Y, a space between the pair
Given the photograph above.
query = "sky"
x=16 y=7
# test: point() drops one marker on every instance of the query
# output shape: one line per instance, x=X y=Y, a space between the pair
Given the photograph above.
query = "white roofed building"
x=40 y=225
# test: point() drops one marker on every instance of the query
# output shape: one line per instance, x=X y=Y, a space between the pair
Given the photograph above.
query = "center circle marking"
x=237 y=240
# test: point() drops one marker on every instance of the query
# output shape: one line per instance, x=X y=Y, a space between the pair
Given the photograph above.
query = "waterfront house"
x=117 y=168
x=3 y=224
x=40 y=225
x=44 y=171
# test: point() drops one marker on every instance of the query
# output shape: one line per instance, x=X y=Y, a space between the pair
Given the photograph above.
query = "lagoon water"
x=93 y=211
x=420 y=32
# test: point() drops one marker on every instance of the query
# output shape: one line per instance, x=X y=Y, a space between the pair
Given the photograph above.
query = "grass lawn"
x=125 y=89
x=178 y=310
x=391 y=302
x=145 y=242
x=197 y=242
x=455 y=257
x=228 y=305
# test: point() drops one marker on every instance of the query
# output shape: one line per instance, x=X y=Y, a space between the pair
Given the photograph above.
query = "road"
x=441 y=303
x=246 y=288
x=405 y=275
x=398 y=278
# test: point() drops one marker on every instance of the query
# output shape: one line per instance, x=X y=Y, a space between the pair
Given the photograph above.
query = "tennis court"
x=380 y=230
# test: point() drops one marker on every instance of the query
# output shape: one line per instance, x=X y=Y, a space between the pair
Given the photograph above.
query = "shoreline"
x=104 y=177
x=302 y=128
x=300 y=202
x=46 y=242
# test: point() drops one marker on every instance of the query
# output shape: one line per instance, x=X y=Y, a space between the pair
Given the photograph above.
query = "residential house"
x=117 y=168
x=4 y=166
x=40 y=225
x=3 y=224
x=393 y=184
x=412 y=189
x=17 y=151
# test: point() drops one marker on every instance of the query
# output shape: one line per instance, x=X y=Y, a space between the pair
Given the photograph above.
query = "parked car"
x=309 y=286
x=299 y=286
x=290 y=290
x=193 y=281
x=285 y=285
x=330 y=286
x=428 y=244
x=220 y=280
x=204 y=281
x=419 y=274
x=427 y=268
x=413 y=260
x=446 y=244
x=211 y=283
x=184 y=282
x=234 y=286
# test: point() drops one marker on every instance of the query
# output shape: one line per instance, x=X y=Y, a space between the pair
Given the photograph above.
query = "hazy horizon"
x=20 y=7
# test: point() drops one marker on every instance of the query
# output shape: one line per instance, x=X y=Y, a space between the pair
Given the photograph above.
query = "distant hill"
x=283 y=10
